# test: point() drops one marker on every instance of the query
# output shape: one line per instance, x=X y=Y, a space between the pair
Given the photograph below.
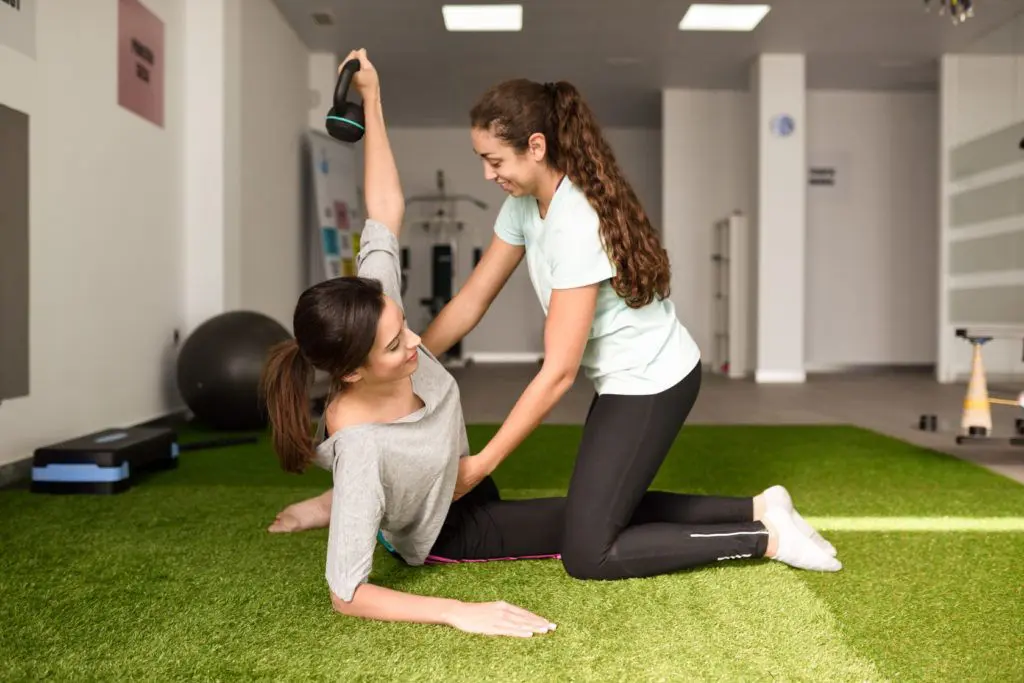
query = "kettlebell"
x=345 y=120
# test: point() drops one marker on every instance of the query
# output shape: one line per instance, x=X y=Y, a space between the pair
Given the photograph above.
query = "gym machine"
x=444 y=227
x=976 y=415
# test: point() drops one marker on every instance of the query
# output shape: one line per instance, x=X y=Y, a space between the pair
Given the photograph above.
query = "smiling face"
x=394 y=355
x=517 y=174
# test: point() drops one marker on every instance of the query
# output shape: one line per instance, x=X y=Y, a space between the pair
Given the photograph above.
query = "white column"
x=323 y=75
x=211 y=202
x=779 y=87
x=948 y=95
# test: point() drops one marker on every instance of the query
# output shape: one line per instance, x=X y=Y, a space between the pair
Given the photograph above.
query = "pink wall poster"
x=140 y=61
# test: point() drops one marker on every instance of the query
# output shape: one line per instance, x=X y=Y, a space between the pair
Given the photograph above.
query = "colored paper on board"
x=140 y=61
x=330 y=241
x=341 y=216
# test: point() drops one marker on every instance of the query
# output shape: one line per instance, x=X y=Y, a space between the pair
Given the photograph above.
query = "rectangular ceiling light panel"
x=700 y=17
x=483 y=17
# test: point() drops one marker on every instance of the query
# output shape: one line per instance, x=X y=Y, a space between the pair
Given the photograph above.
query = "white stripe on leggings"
x=732 y=533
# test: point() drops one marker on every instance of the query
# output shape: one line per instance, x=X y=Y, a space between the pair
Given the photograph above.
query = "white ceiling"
x=621 y=54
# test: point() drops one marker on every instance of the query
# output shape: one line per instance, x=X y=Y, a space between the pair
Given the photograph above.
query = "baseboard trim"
x=483 y=357
x=733 y=373
x=174 y=419
x=14 y=474
x=868 y=368
x=780 y=376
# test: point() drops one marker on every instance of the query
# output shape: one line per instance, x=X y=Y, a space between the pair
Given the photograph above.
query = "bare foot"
x=307 y=514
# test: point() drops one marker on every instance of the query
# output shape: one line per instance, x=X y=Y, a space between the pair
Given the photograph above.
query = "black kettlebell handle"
x=344 y=80
x=345 y=119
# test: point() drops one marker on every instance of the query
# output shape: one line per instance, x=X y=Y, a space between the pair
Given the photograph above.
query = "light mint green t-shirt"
x=630 y=350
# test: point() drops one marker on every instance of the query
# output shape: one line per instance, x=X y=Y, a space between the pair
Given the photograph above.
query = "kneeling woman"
x=393 y=434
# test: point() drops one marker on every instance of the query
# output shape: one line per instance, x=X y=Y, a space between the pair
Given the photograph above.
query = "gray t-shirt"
x=396 y=477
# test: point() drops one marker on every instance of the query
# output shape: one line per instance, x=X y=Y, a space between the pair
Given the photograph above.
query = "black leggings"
x=610 y=526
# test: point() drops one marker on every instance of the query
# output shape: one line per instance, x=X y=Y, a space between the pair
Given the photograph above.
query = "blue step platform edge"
x=80 y=473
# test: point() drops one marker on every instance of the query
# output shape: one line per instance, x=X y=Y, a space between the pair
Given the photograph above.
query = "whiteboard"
x=334 y=211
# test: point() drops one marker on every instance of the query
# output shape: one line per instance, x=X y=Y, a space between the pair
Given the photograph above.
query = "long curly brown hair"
x=516 y=109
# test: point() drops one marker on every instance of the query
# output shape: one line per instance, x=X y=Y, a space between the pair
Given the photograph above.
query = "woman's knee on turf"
x=587 y=545
x=585 y=563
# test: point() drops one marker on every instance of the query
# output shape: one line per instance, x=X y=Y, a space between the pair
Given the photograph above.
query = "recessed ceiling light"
x=723 y=17
x=323 y=18
x=483 y=17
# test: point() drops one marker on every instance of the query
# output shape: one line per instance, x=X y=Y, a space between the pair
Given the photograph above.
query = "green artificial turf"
x=177 y=578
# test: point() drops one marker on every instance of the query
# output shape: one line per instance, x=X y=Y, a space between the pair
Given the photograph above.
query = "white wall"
x=514 y=325
x=872 y=240
x=274 y=116
x=708 y=150
x=877 y=229
x=981 y=95
x=105 y=228
x=129 y=241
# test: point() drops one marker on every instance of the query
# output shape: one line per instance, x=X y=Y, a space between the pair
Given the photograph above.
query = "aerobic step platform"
x=104 y=462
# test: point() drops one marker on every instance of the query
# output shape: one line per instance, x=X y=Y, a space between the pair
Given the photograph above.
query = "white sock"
x=794 y=548
x=778 y=497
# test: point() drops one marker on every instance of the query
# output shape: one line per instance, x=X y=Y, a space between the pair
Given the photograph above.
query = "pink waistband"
x=434 y=559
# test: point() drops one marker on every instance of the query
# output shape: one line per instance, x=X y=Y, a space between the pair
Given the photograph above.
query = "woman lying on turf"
x=393 y=435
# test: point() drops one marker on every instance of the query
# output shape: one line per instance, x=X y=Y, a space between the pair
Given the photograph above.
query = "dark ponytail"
x=286 y=381
x=335 y=325
x=515 y=110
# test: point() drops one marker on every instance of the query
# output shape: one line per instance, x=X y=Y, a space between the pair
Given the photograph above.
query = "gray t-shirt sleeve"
x=357 y=507
x=379 y=259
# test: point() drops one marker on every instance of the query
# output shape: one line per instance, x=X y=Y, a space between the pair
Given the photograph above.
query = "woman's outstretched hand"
x=366 y=81
x=496 y=619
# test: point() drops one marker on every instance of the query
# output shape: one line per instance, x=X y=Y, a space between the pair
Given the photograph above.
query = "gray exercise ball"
x=220 y=366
